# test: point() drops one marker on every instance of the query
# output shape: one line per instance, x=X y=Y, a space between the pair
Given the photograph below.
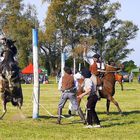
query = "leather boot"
x=59 y=116
x=58 y=120
x=98 y=95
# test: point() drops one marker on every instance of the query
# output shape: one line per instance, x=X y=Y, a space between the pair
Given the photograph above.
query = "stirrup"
x=100 y=88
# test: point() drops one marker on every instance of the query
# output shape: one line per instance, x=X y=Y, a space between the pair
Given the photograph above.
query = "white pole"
x=62 y=59
x=79 y=66
x=62 y=62
x=36 y=89
x=74 y=65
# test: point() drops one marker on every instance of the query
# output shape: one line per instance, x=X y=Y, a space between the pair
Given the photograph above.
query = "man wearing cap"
x=67 y=85
x=95 y=66
x=88 y=89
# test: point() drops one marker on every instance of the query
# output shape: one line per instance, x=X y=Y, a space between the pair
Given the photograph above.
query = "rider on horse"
x=95 y=66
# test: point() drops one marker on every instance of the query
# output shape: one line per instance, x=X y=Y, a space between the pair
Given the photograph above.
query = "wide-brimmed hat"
x=86 y=73
x=68 y=70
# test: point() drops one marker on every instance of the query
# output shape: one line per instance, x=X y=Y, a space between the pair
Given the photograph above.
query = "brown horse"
x=108 y=87
x=108 y=90
x=119 y=78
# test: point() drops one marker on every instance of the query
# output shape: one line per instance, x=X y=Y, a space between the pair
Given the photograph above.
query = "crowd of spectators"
x=28 y=79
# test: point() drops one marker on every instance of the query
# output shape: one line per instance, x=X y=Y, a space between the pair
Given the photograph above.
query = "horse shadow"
x=118 y=124
x=49 y=117
x=131 y=112
x=125 y=113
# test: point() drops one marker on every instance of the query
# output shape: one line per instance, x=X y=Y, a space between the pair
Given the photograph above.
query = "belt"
x=69 y=90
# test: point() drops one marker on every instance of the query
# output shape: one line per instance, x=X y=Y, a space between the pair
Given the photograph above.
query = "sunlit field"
x=18 y=125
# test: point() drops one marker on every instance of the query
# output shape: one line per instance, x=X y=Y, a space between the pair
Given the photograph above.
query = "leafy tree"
x=111 y=35
x=17 y=25
x=94 y=21
x=129 y=65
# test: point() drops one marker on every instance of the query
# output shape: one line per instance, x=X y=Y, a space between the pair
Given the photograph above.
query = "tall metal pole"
x=79 y=66
x=62 y=59
x=74 y=65
x=36 y=89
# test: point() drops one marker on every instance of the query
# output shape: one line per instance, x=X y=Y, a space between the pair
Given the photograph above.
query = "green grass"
x=20 y=126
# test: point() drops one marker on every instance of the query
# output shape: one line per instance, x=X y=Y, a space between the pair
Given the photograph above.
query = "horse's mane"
x=109 y=68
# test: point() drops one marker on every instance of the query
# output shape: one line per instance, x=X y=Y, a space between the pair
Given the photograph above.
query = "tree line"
x=68 y=24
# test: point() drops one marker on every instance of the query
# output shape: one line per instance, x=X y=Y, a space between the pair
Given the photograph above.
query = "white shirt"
x=90 y=61
x=88 y=84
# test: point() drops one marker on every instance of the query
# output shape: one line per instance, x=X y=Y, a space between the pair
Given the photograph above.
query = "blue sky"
x=129 y=11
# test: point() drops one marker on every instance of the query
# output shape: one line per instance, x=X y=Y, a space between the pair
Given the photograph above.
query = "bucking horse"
x=10 y=86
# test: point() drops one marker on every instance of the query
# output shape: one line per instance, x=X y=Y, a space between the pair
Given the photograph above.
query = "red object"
x=118 y=77
x=30 y=69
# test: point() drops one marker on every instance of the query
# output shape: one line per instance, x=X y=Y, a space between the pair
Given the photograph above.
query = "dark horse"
x=108 y=87
x=10 y=86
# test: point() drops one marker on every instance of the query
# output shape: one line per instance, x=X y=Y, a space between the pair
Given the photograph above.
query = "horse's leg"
x=116 y=104
x=22 y=116
x=79 y=101
x=4 y=109
x=121 y=86
x=107 y=106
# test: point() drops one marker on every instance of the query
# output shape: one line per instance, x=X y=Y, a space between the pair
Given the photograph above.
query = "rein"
x=109 y=71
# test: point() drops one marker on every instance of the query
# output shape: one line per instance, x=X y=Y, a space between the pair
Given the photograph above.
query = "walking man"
x=68 y=86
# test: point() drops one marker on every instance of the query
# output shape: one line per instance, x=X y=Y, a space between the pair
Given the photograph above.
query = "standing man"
x=88 y=87
x=68 y=86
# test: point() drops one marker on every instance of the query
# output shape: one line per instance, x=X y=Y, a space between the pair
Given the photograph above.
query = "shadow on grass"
x=49 y=117
x=129 y=89
x=134 y=112
x=131 y=112
x=123 y=113
x=118 y=124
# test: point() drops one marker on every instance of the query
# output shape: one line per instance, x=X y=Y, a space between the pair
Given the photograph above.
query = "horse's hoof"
x=107 y=113
x=69 y=112
x=121 y=114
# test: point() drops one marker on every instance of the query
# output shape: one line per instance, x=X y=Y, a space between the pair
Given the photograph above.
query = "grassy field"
x=18 y=125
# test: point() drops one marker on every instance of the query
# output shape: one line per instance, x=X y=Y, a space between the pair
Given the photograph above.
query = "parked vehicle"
x=125 y=76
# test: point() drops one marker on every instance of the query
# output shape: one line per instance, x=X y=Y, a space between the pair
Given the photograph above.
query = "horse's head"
x=9 y=45
x=7 y=42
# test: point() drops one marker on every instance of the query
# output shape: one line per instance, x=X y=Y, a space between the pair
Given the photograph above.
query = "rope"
x=45 y=108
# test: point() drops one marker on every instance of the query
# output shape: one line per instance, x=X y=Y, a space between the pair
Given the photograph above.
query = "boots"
x=81 y=114
x=58 y=120
x=98 y=95
x=69 y=112
x=59 y=116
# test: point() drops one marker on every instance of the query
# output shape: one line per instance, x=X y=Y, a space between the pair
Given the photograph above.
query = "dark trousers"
x=91 y=113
